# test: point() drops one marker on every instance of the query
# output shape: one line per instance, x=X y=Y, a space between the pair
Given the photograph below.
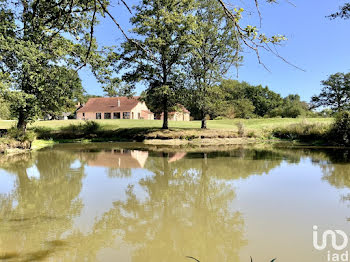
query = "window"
x=98 y=115
x=116 y=115
x=84 y=114
x=126 y=115
x=107 y=115
x=138 y=115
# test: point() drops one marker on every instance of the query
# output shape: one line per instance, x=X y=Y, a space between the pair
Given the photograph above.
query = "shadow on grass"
x=92 y=131
x=97 y=135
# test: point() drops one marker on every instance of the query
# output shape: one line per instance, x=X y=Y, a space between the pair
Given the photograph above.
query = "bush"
x=340 y=132
x=25 y=139
x=86 y=128
x=303 y=132
x=220 y=118
x=20 y=135
x=251 y=134
x=240 y=127
x=91 y=127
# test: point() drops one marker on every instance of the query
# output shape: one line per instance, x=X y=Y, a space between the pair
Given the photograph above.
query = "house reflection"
x=116 y=158
x=177 y=156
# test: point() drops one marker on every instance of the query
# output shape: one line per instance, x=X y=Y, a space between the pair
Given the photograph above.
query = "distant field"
x=251 y=124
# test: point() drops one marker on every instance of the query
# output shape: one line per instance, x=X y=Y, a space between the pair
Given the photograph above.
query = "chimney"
x=118 y=103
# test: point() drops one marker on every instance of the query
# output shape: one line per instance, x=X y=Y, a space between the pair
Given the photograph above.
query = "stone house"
x=114 y=108
x=181 y=114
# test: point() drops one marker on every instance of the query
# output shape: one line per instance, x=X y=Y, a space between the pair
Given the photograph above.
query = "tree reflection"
x=185 y=208
x=45 y=204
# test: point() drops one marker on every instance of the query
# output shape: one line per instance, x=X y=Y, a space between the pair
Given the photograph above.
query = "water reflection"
x=169 y=204
x=40 y=209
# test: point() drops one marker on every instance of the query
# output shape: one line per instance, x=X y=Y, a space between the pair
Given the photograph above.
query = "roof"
x=179 y=108
x=182 y=108
x=147 y=111
x=109 y=104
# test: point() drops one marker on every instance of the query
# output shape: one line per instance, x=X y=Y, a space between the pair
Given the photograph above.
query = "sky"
x=316 y=44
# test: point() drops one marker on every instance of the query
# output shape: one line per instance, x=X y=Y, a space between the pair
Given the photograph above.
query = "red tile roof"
x=109 y=104
x=182 y=108
x=146 y=111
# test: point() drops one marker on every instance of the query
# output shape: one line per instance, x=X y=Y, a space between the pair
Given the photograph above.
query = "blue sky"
x=318 y=45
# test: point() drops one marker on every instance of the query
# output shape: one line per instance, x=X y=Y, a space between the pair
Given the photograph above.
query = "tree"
x=163 y=28
x=116 y=88
x=335 y=93
x=344 y=12
x=4 y=109
x=262 y=99
x=43 y=44
x=215 y=50
x=292 y=107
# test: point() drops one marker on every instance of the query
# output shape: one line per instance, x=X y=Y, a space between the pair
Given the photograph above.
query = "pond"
x=129 y=202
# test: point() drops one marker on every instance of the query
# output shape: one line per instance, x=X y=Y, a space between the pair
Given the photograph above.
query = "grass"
x=39 y=143
x=249 y=124
x=218 y=132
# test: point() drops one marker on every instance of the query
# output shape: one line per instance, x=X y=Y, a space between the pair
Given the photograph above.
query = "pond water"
x=117 y=202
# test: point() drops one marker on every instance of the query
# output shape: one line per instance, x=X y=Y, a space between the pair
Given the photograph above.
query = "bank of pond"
x=317 y=133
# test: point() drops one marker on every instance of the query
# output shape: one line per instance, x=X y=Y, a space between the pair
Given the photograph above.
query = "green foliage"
x=303 y=132
x=240 y=127
x=292 y=107
x=91 y=127
x=335 y=93
x=42 y=45
x=157 y=55
x=215 y=49
x=4 y=109
x=17 y=138
x=87 y=128
x=85 y=97
x=340 y=132
x=234 y=99
x=262 y=99
x=243 y=108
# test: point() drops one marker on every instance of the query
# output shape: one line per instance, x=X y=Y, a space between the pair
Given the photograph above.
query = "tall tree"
x=335 y=93
x=42 y=45
x=262 y=98
x=214 y=51
x=163 y=30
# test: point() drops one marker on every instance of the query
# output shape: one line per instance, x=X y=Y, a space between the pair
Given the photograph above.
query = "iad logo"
x=339 y=241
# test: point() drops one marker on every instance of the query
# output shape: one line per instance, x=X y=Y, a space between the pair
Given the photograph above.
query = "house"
x=114 y=108
x=116 y=158
x=181 y=114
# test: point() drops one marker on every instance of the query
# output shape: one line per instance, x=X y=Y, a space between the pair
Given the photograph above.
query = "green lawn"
x=251 y=124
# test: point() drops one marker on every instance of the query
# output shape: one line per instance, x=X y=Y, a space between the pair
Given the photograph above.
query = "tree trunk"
x=165 y=114
x=204 y=121
x=21 y=124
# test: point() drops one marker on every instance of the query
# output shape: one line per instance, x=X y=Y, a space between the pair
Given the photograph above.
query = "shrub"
x=20 y=135
x=91 y=127
x=220 y=118
x=303 y=132
x=340 y=132
x=251 y=134
x=240 y=127
x=25 y=139
x=86 y=128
